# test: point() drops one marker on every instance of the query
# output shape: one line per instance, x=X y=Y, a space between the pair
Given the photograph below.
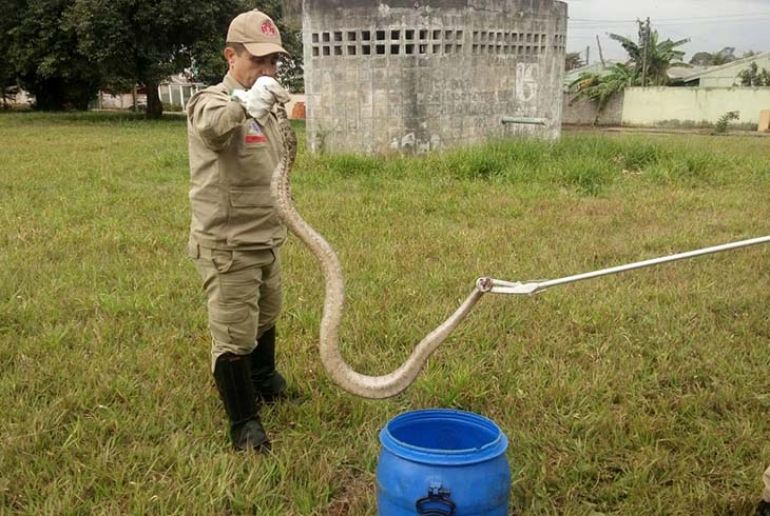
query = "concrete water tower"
x=412 y=76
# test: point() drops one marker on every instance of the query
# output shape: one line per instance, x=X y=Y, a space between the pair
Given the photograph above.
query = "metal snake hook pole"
x=376 y=387
x=526 y=288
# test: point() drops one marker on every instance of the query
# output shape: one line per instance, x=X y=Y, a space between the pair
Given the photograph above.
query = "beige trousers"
x=766 y=480
x=244 y=296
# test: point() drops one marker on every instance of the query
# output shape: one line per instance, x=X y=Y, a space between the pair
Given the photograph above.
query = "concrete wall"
x=584 y=112
x=415 y=75
x=651 y=106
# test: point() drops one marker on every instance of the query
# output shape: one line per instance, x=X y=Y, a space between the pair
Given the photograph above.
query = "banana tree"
x=648 y=64
x=600 y=88
x=651 y=57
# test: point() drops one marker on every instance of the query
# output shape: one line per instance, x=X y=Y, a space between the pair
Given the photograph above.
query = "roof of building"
x=679 y=71
x=724 y=70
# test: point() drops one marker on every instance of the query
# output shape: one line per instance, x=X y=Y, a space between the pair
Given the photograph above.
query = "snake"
x=366 y=386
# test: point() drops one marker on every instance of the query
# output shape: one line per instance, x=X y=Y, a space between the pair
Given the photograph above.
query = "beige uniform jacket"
x=232 y=158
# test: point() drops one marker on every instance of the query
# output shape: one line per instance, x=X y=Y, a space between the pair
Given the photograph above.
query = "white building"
x=725 y=76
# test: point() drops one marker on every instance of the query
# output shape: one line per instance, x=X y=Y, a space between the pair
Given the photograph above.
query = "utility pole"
x=601 y=54
x=588 y=55
x=644 y=39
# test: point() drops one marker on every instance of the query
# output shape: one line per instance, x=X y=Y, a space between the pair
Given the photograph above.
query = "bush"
x=721 y=125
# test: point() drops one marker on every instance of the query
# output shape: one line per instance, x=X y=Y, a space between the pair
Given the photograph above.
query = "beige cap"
x=257 y=32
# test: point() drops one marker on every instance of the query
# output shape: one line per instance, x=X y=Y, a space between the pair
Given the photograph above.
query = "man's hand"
x=261 y=98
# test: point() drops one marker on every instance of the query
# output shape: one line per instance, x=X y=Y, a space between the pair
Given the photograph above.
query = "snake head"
x=484 y=284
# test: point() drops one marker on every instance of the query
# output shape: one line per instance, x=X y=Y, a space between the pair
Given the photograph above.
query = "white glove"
x=259 y=100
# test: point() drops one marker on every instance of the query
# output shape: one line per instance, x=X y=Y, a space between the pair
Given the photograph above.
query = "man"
x=763 y=509
x=235 y=235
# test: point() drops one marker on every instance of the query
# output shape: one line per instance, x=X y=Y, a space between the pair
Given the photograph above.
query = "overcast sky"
x=710 y=24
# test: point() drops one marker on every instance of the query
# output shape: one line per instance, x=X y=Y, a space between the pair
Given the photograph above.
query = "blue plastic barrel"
x=442 y=462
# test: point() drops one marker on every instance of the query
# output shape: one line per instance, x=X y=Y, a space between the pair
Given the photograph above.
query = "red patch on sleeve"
x=254 y=134
x=255 y=138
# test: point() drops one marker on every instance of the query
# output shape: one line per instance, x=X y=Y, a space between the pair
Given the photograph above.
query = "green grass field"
x=644 y=393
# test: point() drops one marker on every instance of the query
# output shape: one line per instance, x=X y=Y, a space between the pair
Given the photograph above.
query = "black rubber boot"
x=268 y=383
x=763 y=509
x=232 y=374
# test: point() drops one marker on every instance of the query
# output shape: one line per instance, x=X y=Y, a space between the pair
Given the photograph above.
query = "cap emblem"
x=268 y=29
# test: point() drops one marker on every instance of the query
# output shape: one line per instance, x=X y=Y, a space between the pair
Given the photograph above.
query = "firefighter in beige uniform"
x=763 y=509
x=235 y=235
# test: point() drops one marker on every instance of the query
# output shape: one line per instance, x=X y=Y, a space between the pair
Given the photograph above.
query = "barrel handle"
x=436 y=497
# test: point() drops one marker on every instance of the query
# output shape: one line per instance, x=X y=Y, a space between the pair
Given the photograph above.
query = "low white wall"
x=651 y=106
x=584 y=112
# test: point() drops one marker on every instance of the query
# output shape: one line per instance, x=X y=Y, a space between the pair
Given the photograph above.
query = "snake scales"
x=376 y=387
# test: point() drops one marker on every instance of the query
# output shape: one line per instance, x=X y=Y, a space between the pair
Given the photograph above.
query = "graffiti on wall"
x=526 y=81
x=409 y=143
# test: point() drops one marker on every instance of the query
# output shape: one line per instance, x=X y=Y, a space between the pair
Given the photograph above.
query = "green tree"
x=145 y=41
x=8 y=78
x=701 y=59
x=754 y=77
x=45 y=56
x=63 y=51
x=724 y=56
